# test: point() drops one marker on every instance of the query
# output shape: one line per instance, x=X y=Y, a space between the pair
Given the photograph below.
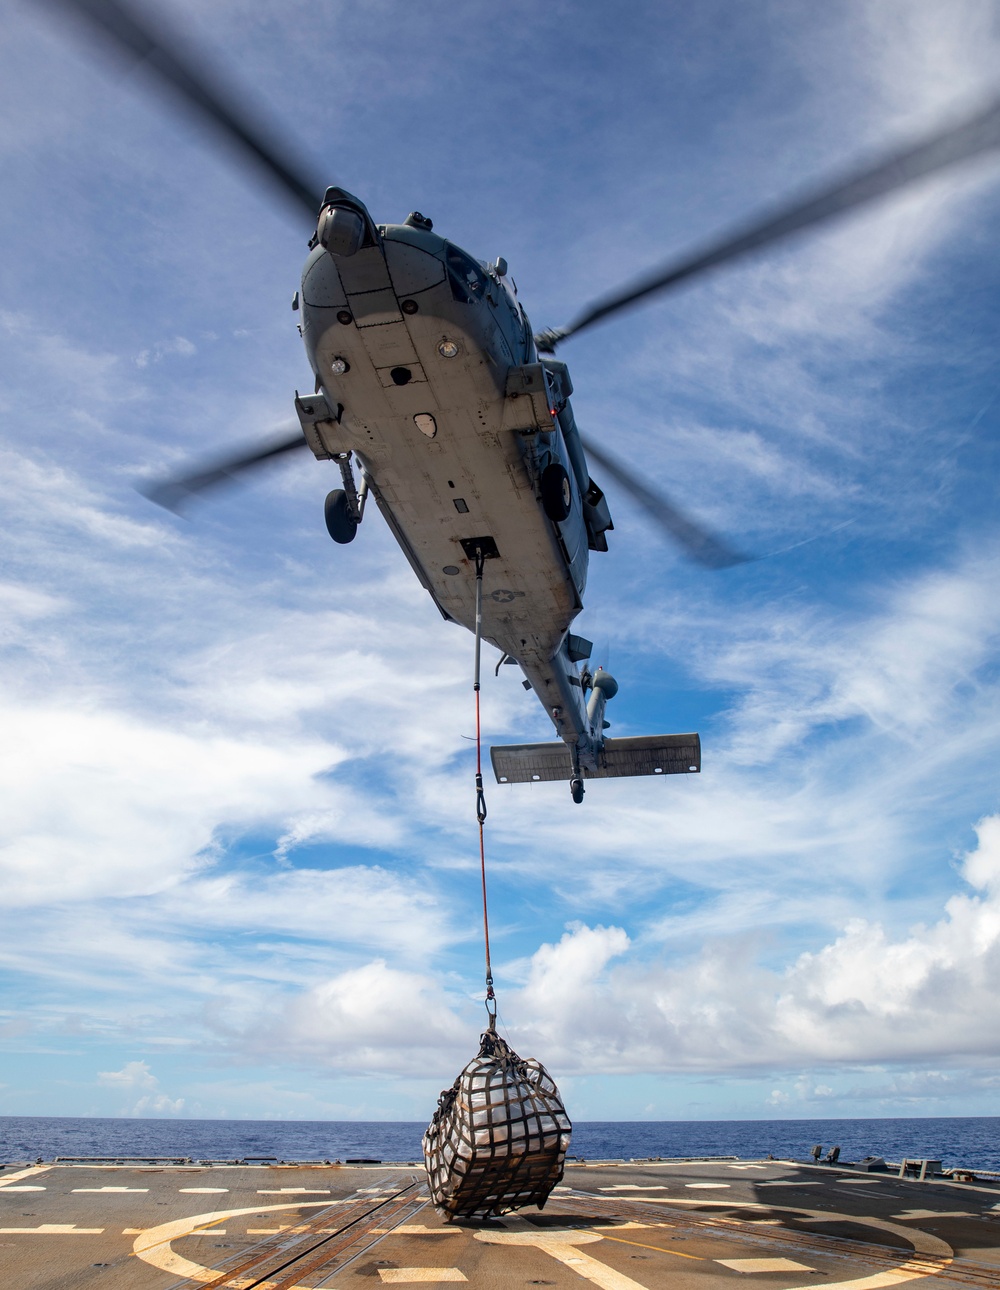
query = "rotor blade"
x=172 y=493
x=137 y=34
x=977 y=134
x=697 y=542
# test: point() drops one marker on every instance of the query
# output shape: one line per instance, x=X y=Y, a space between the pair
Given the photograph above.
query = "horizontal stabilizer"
x=642 y=755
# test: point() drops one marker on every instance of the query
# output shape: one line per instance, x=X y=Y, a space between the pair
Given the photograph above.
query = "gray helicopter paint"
x=496 y=427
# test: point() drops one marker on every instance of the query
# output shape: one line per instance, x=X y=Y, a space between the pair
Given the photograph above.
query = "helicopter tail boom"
x=618 y=758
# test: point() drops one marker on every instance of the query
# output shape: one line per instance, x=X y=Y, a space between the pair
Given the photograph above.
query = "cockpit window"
x=468 y=282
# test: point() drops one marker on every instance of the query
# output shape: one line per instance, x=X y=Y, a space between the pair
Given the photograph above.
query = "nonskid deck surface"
x=689 y=1225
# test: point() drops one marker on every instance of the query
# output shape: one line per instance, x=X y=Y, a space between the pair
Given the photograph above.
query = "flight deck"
x=637 y=1225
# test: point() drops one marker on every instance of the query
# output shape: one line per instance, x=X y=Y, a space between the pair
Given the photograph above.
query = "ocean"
x=972 y=1141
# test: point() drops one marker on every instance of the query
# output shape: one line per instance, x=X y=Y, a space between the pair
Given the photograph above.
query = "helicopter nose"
x=340 y=230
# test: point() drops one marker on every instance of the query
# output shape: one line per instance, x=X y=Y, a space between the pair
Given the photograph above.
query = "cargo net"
x=499 y=1136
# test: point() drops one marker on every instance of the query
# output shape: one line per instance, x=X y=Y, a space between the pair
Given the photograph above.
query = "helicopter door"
x=573 y=532
x=573 y=529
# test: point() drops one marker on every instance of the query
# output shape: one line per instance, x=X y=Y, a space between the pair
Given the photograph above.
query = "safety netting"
x=499 y=1136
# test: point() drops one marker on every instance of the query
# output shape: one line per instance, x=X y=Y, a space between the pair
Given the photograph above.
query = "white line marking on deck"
x=406 y=1276
x=202 y=1191
x=23 y=1173
x=764 y=1265
x=563 y=1246
x=707 y=1186
x=701 y=1200
x=117 y=1191
x=295 y=1191
x=416 y=1229
x=653 y=1187
x=26 y=1189
x=52 y=1229
x=934 y=1213
x=746 y=1166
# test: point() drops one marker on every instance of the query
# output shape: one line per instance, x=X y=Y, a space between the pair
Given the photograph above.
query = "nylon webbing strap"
x=491 y=1009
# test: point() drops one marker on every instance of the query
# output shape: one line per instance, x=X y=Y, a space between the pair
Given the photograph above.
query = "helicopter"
x=434 y=397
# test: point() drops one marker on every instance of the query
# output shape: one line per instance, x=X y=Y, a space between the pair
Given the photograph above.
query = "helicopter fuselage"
x=427 y=372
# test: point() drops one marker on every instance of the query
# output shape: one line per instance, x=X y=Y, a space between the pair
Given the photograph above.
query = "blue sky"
x=238 y=837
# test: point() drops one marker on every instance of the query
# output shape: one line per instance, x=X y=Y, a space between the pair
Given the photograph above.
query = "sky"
x=237 y=816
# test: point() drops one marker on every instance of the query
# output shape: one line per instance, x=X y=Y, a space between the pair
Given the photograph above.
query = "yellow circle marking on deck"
x=153 y=1245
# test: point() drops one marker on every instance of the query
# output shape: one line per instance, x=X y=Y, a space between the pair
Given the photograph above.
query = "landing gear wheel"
x=340 y=521
x=576 y=788
x=557 y=492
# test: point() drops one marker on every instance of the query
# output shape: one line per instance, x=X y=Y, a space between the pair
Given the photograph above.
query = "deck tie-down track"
x=325 y=1243
x=683 y=1222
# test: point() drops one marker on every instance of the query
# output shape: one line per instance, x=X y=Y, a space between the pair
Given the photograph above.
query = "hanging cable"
x=491 y=1007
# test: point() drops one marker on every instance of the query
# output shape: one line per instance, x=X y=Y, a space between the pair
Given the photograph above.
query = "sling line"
x=491 y=1007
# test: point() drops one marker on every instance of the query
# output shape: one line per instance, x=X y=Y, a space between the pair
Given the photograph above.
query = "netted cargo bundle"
x=499 y=1136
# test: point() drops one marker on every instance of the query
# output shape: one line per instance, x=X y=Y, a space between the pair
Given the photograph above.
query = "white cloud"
x=354 y=905
x=904 y=662
x=20 y=604
x=157 y=1104
x=371 y=1018
x=101 y=804
x=93 y=375
x=776 y=391
x=135 y=1076
x=179 y=347
x=933 y=994
x=43 y=493
x=865 y=998
x=926 y=56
